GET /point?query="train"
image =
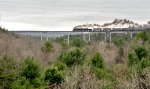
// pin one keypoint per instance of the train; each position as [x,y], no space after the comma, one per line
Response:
[103,29]
[82,29]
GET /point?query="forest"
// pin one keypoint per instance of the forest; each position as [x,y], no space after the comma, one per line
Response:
[123,63]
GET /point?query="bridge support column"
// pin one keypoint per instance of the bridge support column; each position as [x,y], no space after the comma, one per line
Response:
[47,38]
[41,37]
[68,39]
[105,36]
[25,35]
[110,37]
[20,34]
[89,37]
[83,36]
[131,35]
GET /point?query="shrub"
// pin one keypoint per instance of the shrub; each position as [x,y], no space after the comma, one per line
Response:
[138,60]
[97,61]
[47,47]
[22,83]
[141,52]
[72,58]
[8,71]
[29,75]
[36,83]
[137,56]
[61,66]
[132,59]
[77,42]
[54,76]
[30,69]
[144,63]
[144,36]
[64,44]
[118,41]
[3,29]
[139,63]
[103,74]
[98,67]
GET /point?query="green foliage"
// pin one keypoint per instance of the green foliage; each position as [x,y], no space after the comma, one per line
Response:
[120,39]
[103,74]
[54,76]
[137,56]
[139,69]
[98,61]
[3,29]
[61,66]
[22,83]
[141,52]
[144,63]
[77,42]
[30,69]
[97,37]
[8,71]
[58,39]
[74,57]
[62,42]
[138,59]
[145,36]
[132,59]
[36,83]
[98,67]
[29,77]
[47,47]
[118,42]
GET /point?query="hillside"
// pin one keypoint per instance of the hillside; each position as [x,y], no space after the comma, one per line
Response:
[32,64]
[19,47]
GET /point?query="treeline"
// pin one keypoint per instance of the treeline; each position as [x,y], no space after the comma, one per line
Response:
[3,29]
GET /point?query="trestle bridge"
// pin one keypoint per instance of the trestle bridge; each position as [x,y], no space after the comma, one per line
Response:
[49,34]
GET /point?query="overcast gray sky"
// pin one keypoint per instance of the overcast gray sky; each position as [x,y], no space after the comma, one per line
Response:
[65,14]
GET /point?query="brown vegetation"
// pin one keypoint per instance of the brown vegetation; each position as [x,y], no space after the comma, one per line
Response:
[113,75]
[19,47]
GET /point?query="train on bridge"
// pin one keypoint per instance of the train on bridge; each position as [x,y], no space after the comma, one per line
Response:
[105,29]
